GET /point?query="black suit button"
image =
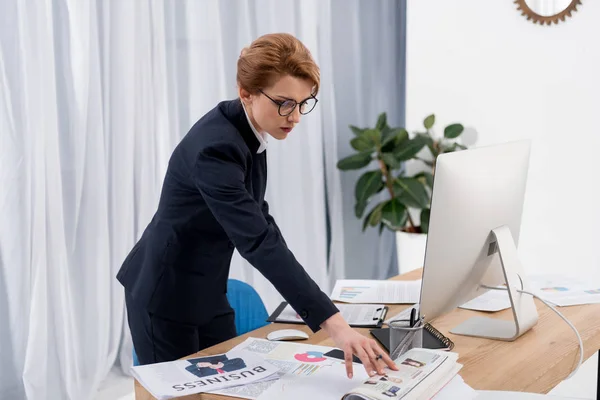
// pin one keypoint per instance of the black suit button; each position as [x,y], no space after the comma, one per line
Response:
[304,314]
[230,245]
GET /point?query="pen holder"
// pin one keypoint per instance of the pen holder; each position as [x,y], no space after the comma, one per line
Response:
[403,337]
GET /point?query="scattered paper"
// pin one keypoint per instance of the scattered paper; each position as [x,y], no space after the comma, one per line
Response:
[565,291]
[328,383]
[376,292]
[492,300]
[456,389]
[295,362]
[501,395]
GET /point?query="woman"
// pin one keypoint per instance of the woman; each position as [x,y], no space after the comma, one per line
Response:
[212,200]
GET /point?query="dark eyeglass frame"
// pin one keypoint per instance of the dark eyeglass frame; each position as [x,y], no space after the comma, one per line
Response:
[280,103]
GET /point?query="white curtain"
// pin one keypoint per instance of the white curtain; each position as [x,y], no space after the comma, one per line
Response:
[94,95]
[367,75]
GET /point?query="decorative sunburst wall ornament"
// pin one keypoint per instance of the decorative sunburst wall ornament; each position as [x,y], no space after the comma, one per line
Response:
[547,11]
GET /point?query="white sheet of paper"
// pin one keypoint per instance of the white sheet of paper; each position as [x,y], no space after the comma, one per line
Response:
[456,389]
[492,300]
[327,383]
[501,395]
[564,290]
[376,292]
[296,361]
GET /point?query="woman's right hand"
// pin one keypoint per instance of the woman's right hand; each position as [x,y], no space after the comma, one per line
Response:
[373,358]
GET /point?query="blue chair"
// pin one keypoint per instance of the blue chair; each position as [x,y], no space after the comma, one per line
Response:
[250,311]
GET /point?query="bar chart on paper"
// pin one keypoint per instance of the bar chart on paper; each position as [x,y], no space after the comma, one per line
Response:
[306,369]
[376,292]
[350,292]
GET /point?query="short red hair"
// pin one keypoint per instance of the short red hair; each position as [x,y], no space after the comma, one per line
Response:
[272,56]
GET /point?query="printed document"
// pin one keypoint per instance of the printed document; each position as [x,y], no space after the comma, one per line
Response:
[294,361]
[422,373]
[376,292]
[492,300]
[565,291]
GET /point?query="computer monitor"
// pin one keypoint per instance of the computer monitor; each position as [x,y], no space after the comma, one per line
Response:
[474,227]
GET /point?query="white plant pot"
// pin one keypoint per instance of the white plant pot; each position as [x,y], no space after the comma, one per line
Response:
[411,250]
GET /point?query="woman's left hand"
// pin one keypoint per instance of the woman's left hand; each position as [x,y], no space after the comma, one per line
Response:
[373,358]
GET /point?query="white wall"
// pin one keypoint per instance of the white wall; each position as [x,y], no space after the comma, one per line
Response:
[483,64]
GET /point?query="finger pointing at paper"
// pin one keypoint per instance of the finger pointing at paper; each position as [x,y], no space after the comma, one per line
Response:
[351,342]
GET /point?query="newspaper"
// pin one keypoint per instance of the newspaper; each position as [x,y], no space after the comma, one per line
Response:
[294,361]
[203,374]
[422,373]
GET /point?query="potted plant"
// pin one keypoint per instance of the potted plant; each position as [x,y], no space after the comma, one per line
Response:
[404,206]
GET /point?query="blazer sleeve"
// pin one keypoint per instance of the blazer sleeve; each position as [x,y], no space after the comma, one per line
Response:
[271,220]
[219,175]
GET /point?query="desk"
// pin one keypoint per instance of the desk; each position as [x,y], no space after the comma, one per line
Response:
[536,362]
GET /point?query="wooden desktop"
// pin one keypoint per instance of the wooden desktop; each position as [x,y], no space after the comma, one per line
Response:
[535,362]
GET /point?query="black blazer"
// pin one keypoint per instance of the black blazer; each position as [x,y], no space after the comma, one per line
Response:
[212,200]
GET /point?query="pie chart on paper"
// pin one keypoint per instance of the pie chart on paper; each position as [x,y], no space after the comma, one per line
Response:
[310,356]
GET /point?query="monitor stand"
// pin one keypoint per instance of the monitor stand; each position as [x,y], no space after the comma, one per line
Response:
[523,307]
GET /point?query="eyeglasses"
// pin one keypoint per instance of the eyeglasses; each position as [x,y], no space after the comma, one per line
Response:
[286,107]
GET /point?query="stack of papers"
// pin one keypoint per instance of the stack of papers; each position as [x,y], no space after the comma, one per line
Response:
[422,373]
[376,292]
[296,362]
[260,369]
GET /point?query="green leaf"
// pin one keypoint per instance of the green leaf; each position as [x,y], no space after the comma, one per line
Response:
[425,220]
[357,131]
[453,131]
[426,178]
[359,209]
[394,137]
[355,161]
[410,148]
[367,185]
[381,122]
[429,121]
[374,135]
[411,192]
[393,214]
[374,216]
[390,160]
[362,144]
